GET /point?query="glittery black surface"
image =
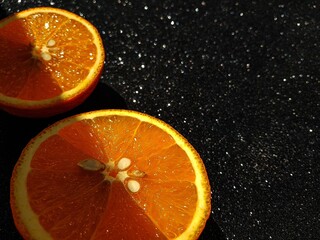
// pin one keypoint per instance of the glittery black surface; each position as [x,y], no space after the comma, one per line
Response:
[239,80]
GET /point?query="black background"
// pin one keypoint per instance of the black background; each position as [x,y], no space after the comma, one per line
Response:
[239,79]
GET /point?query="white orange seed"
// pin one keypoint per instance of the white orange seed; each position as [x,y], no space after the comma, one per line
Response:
[133,186]
[124,163]
[46,56]
[51,43]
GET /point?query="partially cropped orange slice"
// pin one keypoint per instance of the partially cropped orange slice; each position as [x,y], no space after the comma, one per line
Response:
[50,61]
[110,174]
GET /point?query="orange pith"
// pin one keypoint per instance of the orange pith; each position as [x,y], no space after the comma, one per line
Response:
[143,181]
[50,61]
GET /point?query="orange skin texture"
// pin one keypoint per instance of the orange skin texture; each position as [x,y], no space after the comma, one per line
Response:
[61,107]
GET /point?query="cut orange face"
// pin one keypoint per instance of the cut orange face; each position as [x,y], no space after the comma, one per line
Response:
[50,61]
[110,174]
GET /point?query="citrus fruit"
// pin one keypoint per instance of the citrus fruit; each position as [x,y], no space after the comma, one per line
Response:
[50,61]
[110,174]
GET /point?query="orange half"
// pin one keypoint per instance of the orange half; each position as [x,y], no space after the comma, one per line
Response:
[110,174]
[50,61]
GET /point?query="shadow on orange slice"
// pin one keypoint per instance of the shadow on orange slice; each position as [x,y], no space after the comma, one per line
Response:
[110,174]
[50,61]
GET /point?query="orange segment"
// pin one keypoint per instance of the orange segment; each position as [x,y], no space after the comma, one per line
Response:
[65,180]
[169,164]
[170,205]
[52,154]
[110,174]
[74,214]
[99,134]
[123,219]
[148,140]
[56,58]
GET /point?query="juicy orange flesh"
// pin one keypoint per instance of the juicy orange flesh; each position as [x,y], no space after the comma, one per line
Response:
[82,203]
[25,74]
[126,220]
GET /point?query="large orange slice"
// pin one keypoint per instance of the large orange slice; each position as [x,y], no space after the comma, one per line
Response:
[110,174]
[50,61]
